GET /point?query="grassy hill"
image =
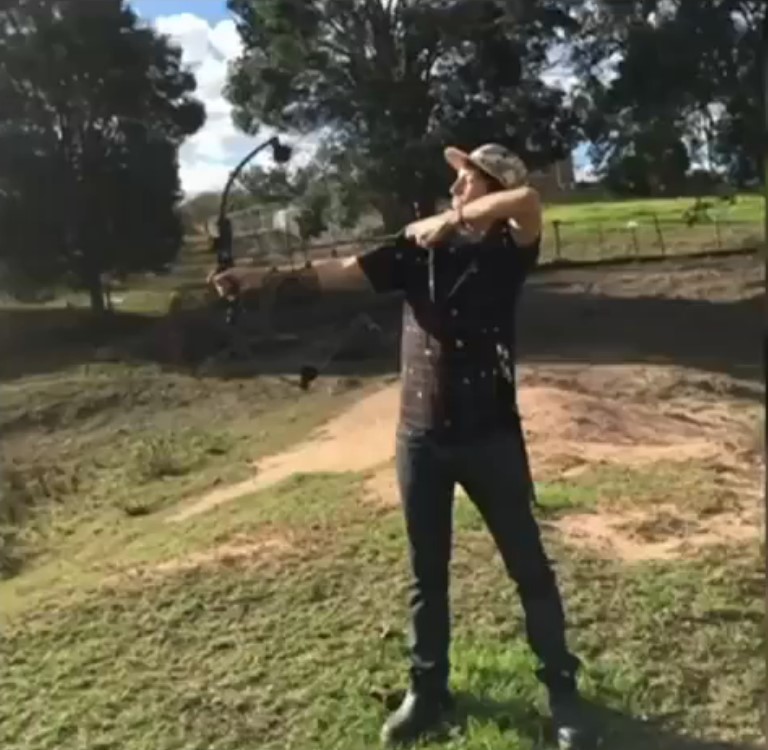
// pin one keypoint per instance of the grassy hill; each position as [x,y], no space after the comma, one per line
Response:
[278,620]
[748,208]
[587,231]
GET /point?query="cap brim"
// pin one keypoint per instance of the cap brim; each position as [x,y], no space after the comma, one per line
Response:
[456,157]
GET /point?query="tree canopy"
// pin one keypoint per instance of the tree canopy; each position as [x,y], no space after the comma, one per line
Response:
[93,108]
[388,84]
[662,86]
[687,87]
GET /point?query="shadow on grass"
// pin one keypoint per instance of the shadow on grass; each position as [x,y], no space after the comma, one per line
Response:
[610,729]
[613,729]
[39,340]
[566,317]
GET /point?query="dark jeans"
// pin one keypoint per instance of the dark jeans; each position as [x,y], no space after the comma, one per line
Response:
[494,473]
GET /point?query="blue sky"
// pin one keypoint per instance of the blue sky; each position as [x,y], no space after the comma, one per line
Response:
[210,10]
[208,39]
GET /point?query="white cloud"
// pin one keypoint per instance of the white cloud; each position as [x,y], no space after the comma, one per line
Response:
[207,48]
[207,157]
[559,71]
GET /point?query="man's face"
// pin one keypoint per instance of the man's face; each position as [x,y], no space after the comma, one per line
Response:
[469,186]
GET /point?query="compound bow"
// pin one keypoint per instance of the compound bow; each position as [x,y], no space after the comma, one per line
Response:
[223,242]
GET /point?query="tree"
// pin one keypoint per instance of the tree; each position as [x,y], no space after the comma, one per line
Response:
[651,161]
[93,108]
[687,72]
[386,84]
[322,193]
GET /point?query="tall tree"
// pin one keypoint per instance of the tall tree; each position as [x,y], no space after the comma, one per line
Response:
[687,72]
[93,108]
[323,193]
[389,82]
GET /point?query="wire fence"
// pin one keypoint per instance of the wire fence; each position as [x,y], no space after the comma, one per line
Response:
[266,242]
[642,238]
[595,241]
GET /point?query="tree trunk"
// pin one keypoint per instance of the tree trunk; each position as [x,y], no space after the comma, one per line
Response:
[394,213]
[92,281]
[97,297]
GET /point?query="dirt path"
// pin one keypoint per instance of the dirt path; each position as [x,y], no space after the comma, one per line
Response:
[361,438]
[574,418]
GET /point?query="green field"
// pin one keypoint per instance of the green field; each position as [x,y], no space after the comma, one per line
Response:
[278,620]
[747,208]
[615,229]
[595,230]
[588,232]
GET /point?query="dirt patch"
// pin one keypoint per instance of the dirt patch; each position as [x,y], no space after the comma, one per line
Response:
[661,535]
[712,279]
[359,439]
[574,419]
[568,430]
[577,418]
[239,551]
[381,487]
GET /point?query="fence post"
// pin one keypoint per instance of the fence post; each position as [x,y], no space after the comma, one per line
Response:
[632,226]
[601,238]
[556,227]
[659,234]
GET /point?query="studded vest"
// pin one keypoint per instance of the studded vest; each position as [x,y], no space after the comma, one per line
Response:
[458,342]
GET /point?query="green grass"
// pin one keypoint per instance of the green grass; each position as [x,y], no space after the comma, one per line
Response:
[620,229]
[588,231]
[88,448]
[279,620]
[747,208]
[305,647]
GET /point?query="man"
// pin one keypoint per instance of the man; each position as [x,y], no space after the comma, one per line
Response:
[461,273]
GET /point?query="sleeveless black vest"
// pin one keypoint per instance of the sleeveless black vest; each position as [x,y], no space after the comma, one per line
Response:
[458,342]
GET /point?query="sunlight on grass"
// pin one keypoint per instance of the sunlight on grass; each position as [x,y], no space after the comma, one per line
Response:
[279,620]
[292,651]
[748,208]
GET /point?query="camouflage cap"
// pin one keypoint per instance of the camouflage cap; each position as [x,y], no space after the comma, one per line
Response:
[493,159]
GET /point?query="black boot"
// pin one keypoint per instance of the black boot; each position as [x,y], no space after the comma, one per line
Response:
[569,718]
[545,624]
[420,714]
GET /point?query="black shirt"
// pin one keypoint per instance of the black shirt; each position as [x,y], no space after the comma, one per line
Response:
[459,317]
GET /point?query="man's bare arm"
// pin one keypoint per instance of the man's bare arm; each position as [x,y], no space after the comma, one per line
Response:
[336,274]
[339,274]
[521,207]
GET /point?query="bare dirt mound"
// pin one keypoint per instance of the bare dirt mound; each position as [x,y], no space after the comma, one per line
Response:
[361,438]
[577,418]
[574,419]
[240,551]
[641,379]
[632,415]
[636,536]
[567,430]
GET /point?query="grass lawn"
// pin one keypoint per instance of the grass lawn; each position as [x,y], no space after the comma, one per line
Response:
[599,229]
[588,231]
[749,207]
[278,621]
[611,229]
